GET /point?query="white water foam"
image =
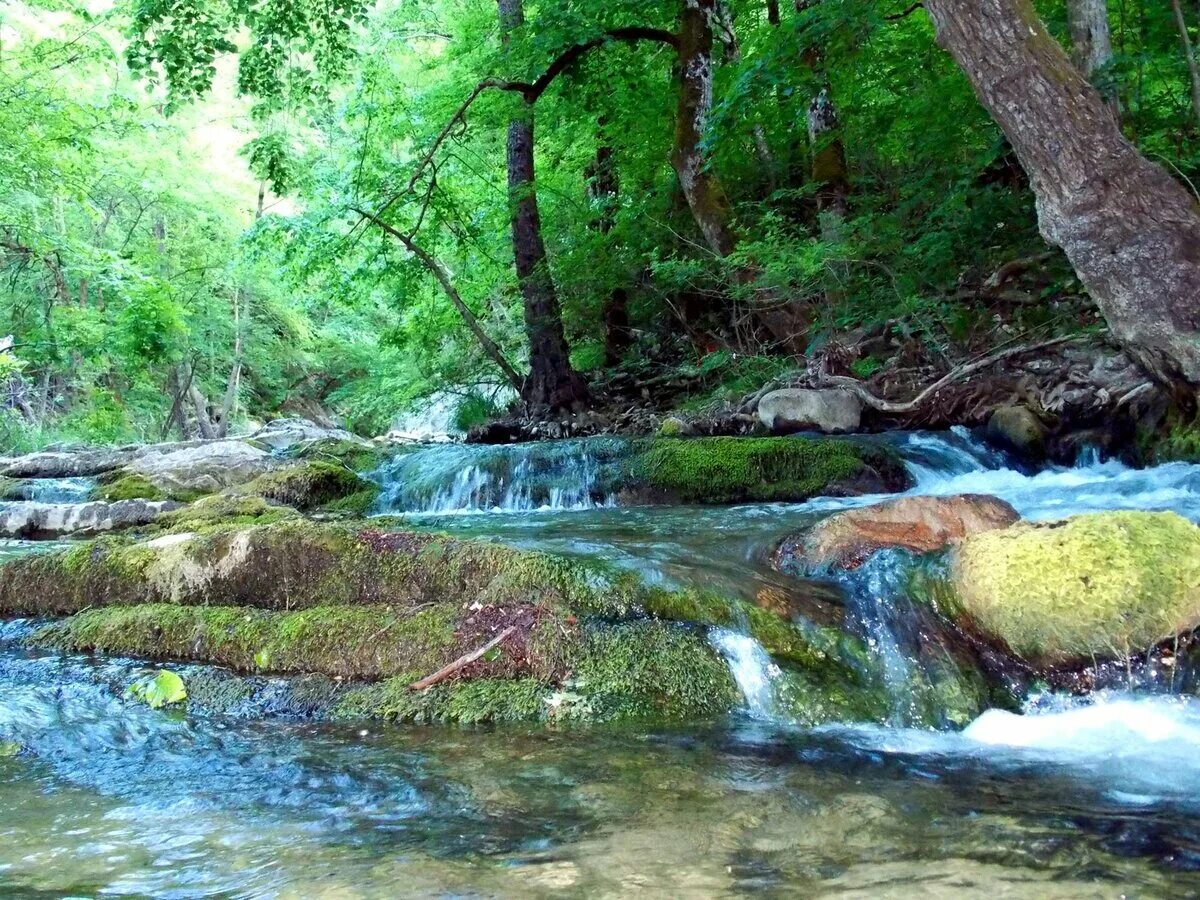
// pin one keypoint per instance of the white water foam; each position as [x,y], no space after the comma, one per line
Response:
[751,667]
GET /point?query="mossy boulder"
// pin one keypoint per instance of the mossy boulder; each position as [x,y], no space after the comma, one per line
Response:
[382,609]
[222,512]
[737,470]
[1096,586]
[307,485]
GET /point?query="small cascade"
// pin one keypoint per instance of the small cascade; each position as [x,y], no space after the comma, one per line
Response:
[751,668]
[61,490]
[560,475]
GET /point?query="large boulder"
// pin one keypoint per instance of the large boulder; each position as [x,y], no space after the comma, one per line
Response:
[737,470]
[49,520]
[918,524]
[1096,586]
[1017,428]
[284,434]
[832,411]
[204,467]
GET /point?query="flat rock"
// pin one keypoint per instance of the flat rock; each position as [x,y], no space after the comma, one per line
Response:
[282,434]
[793,409]
[48,520]
[210,466]
[918,524]
[66,463]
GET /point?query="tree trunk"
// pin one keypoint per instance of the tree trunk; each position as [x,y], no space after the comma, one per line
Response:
[829,170]
[704,193]
[1130,230]
[723,20]
[602,189]
[552,382]
[1091,41]
[1189,55]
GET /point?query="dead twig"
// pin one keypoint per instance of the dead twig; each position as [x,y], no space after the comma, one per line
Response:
[461,663]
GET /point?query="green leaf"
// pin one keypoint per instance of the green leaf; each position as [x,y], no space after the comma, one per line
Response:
[156,691]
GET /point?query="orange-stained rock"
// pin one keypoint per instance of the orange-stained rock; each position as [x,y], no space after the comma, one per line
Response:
[919,524]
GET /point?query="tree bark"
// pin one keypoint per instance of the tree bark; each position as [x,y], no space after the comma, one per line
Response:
[552,382]
[1189,56]
[602,188]
[705,196]
[829,170]
[1091,41]
[1130,230]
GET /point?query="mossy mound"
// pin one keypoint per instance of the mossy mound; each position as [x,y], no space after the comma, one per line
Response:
[221,512]
[307,486]
[351,455]
[1096,586]
[348,602]
[131,487]
[737,470]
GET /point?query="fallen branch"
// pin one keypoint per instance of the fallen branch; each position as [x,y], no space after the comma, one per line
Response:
[958,372]
[461,663]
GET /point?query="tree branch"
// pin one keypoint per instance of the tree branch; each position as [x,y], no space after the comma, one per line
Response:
[461,663]
[489,347]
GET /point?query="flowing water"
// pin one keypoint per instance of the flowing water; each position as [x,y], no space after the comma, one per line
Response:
[1095,796]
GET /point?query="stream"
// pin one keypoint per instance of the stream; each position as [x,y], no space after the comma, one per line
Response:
[1093,796]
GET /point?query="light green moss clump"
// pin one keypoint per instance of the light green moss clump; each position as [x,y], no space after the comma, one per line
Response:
[734,470]
[220,511]
[130,487]
[306,486]
[1101,585]
[349,455]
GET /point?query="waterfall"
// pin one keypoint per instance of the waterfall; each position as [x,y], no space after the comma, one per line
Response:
[751,668]
[559,475]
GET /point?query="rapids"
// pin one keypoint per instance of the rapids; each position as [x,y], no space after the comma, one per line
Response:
[1094,796]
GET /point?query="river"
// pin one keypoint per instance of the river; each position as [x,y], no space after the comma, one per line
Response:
[1093,796]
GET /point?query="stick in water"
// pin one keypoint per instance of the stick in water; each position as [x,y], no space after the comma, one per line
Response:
[460,663]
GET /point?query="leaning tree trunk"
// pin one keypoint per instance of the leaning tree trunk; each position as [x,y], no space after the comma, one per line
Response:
[1130,230]
[552,381]
[705,195]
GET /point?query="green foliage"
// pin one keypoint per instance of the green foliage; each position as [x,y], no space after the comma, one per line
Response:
[156,691]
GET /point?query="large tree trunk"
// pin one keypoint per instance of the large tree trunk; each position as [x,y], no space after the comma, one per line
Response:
[552,381]
[705,195]
[829,170]
[1130,230]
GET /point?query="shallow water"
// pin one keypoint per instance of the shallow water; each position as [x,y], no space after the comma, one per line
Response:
[1094,797]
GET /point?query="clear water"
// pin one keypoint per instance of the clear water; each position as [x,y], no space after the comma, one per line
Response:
[1092,797]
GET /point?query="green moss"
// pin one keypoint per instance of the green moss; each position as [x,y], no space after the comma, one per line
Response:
[647,670]
[225,511]
[475,702]
[1099,585]
[13,489]
[733,470]
[361,642]
[349,454]
[130,487]
[306,486]
[1177,441]
[354,505]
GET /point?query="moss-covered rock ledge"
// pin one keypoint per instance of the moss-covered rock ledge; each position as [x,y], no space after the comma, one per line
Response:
[738,470]
[380,610]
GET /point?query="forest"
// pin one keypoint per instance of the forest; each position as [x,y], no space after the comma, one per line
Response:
[216,212]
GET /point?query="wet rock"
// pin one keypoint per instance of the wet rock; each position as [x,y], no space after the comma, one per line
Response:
[48,520]
[284,434]
[1095,586]
[1016,428]
[309,485]
[207,467]
[65,463]
[793,409]
[918,524]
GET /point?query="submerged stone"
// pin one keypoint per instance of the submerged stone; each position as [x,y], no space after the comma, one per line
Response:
[1095,586]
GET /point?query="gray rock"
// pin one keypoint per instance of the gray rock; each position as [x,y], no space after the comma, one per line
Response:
[46,520]
[65,463]
[285,433]
[210,466]
[1017,428]
[794,409]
